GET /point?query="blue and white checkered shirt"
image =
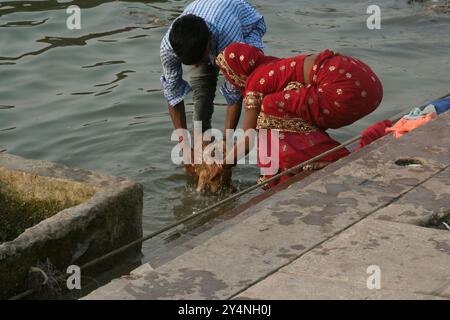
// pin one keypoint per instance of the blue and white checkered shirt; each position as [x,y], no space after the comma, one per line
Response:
[229,21]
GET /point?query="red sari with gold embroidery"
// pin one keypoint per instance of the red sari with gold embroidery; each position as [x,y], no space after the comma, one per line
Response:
[341,90]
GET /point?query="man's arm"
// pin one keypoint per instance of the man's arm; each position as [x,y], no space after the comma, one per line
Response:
[254,37]
[178,116]
[233,115]
[175,89]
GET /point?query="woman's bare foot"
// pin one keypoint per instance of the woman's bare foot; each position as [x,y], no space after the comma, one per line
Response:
[315,166]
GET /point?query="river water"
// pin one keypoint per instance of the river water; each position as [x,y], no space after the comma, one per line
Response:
[91,98]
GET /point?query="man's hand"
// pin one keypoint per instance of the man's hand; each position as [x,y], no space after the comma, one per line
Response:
[190,167]
[233,115]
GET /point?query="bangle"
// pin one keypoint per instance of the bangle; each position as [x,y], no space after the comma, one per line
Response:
[253,100]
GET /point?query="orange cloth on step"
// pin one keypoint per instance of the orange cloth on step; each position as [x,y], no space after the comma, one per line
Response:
[405,125]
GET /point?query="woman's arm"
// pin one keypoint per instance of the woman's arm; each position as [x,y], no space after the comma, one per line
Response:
[245,144]
[252,103]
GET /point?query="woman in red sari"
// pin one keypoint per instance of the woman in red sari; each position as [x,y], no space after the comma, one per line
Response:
[301,96]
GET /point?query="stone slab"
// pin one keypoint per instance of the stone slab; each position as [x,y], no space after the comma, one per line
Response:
[430,200]
[287,286]
[412,260]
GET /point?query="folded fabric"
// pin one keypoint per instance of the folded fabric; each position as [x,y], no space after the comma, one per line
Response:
[405,125]
[417,113]
[372,133]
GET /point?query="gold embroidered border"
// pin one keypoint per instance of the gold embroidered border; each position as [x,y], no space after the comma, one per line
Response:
[222,63]
[295,125]
[294,86]
[253,100]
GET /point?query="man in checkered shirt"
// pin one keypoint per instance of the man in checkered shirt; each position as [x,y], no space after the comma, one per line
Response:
[195,38]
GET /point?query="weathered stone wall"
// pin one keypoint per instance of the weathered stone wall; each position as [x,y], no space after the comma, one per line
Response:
[109,215]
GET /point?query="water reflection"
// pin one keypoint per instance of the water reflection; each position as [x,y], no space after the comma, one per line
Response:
[3,107]
[105,63]
[95,123]
[7,7]
[23,23]
[119,76]
[8,129]
[57,42]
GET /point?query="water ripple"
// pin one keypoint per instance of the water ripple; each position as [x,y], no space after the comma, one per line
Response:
[7,129]
[23,23]
[82,93]
[8,7]
[105,63]
[57,42]
[95,123]
[119,76]
[5,107]
[102,93]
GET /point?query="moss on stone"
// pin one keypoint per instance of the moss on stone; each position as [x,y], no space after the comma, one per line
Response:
[26,200]
[16,215]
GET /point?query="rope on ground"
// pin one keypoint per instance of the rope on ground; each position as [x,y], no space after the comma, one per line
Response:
[33,290]
[217,204]
[446,225]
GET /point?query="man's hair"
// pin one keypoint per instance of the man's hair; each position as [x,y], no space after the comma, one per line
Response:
[189,38]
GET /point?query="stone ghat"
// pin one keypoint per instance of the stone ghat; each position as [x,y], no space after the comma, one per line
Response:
[373,215]
[63,216]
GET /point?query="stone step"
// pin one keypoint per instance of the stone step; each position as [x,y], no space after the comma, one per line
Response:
[235,255]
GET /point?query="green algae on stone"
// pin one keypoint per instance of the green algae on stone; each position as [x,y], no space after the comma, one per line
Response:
[26,200]
[16,214]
